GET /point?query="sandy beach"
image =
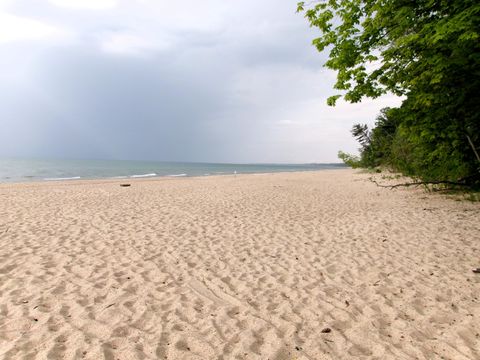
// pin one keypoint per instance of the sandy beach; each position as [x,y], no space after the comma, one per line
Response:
[313,265]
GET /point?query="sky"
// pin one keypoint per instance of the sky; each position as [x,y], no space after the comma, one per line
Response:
[202,81]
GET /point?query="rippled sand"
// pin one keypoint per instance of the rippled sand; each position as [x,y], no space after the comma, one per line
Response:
[246,267]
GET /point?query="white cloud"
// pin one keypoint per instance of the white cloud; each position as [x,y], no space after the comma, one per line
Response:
[4,4]
[130,44]
[85,4]
[313,131]
[15,28]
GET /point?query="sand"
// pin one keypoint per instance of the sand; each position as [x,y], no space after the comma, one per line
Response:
[245,267]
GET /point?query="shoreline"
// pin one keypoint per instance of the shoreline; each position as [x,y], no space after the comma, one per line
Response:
[157,177]
[37,170]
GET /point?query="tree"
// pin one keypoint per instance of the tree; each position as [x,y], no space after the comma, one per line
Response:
[426,51]
[350,160]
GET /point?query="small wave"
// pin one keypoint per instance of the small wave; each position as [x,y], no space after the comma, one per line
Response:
[63,178]
[177,175]
[143,175]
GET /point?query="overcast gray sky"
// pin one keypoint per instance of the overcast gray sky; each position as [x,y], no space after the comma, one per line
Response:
[212,80]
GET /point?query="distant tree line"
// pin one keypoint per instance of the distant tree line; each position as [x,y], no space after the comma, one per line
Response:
[426,51]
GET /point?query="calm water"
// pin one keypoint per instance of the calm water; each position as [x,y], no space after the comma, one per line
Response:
[18,170]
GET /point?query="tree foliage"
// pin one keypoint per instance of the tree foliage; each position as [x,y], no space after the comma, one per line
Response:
[426,51]
[350,160]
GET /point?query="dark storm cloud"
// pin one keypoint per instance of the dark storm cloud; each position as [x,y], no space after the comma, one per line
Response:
[124,107]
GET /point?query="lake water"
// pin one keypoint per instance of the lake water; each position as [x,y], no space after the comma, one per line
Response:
[20,170]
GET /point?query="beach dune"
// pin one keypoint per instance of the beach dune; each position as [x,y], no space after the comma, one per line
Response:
[313,265]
